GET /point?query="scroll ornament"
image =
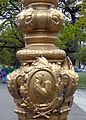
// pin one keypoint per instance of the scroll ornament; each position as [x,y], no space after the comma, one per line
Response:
[43,87]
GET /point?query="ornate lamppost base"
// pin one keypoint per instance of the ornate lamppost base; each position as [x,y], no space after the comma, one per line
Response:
[43,86]
[43,90]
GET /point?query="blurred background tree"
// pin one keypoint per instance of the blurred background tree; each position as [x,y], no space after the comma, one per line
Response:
[73,36]
[81,55]
[11,39]
[70,38]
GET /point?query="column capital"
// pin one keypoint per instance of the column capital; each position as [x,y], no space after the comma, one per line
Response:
[26,2]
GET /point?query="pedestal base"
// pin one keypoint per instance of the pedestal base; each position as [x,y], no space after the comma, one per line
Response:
[60,117]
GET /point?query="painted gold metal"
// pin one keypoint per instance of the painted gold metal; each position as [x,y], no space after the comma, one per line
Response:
[43,86]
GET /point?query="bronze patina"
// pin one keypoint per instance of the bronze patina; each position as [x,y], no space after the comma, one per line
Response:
[43,86]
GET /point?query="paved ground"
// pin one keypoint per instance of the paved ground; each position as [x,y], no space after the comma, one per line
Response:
[7,105]
[80,98]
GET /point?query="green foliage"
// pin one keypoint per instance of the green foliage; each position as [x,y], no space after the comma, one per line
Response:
[82,54]
[81,22]
[82,79]
[6,56]
[8,29]
[69,37]
[10,36]
[72,34]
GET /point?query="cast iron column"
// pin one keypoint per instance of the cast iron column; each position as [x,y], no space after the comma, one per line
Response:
[43,86]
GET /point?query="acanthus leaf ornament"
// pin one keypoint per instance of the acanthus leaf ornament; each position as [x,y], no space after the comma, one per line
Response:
[43,86]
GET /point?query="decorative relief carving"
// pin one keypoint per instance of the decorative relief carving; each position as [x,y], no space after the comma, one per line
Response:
[24,20]
[43,86]
[40,20]
[57,20]
[42,89]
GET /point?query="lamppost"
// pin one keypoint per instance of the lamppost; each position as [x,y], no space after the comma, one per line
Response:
[43,86]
